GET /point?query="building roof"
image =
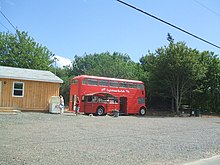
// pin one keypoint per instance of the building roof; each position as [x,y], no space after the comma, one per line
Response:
[28,74]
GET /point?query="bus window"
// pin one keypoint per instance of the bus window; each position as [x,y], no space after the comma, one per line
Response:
[93,82]
[89,98]
[132,85]
[84,82]
[95,99]
[141,100]
[75,82]
[123,85]
[140,86]
[83,98]
[113,100]
[113,84]
[103,83]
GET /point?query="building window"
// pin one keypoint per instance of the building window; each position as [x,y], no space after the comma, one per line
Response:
[18,89]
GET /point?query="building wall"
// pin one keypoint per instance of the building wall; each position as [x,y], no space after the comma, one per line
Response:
[36,94]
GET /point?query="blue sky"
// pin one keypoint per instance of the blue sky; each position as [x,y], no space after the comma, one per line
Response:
[75,27]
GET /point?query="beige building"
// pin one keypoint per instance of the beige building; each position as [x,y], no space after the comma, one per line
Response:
[27,89]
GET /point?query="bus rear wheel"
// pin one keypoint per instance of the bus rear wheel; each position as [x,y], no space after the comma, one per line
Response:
[100,111]
[142,111]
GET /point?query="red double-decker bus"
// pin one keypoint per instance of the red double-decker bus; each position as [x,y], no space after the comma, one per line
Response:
[102,95]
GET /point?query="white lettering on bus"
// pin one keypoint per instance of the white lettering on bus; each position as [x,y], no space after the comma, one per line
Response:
[115,90]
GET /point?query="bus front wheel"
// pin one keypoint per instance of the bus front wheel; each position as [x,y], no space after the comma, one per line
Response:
[100,111]
[142,111]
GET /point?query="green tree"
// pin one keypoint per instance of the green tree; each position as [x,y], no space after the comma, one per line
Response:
[115,65]
[175,70]
[20,50]
[148,62]
[207,94]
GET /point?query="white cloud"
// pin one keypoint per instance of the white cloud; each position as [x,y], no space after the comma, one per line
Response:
[62,61]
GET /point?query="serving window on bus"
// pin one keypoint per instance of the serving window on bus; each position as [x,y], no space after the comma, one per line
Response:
[130,94]
[99,99]
[99,103]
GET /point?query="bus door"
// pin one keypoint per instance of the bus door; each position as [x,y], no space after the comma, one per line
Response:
[123,105]
[74,102]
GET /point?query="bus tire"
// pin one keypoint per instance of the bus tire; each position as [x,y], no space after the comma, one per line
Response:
[142,111]
[100,111]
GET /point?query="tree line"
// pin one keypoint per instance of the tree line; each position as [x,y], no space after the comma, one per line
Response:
[174,74]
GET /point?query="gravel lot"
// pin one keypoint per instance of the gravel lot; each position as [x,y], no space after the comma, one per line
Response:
[41,138]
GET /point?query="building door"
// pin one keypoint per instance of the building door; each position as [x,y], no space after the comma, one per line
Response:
[0,93]
[123,104]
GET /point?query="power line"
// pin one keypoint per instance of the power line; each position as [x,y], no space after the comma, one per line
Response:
[4,26]
[207,8]
[174,26]
[8,20]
